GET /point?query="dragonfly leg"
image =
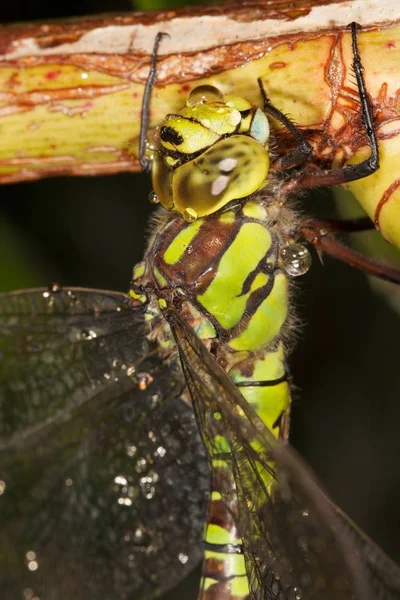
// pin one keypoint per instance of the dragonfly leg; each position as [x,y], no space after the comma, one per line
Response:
[322,233]
[146,163]
[340,225]
[303,150]
[314,178]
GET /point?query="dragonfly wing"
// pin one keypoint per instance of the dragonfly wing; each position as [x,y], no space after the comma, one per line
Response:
[103,481]
[295,542]
[384,574]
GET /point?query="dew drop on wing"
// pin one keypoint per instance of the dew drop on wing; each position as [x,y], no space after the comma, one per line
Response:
[72,297]
[143,381]
[54,288]
[83,517]
[131,450]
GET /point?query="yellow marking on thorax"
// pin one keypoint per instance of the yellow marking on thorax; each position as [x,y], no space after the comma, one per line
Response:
[142,298]
[267,321]
[159,277]
[223,298]
[227,217]
[254,210]
[178,246]
[138,270]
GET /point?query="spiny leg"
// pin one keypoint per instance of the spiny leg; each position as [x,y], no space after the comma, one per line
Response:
[322,233]
[145,163]
[317,177]
[335,176]
[303,149]
[343,225]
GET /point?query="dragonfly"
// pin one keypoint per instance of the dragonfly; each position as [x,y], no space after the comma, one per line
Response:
[140,432]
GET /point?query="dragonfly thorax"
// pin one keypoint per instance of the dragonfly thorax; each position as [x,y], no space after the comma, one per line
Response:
[224,275]
[211,152]
[227,266]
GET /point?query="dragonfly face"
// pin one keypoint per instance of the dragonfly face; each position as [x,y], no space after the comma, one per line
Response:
[212,152]
[104,476]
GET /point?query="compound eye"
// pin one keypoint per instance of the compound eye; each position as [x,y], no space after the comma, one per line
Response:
[204,94]
[231,169]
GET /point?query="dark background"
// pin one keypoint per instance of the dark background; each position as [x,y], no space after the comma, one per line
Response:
[91,231]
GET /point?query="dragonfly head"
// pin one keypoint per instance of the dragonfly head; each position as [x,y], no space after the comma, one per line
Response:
[212,152]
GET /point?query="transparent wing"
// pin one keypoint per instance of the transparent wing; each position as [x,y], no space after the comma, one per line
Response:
[103,477]
[383,573]
[297,543]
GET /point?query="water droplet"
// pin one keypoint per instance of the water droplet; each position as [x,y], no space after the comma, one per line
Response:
[155,399]
[138,535]
[31,560]
[143,381]
[147,487]
[190,215]
[131,450]
[204,93]
[87,334]
[141,465]
[124,501]
[49,295]
[296,259]
[120,480]
[72,297]
[183,558]
[54,288]
[154,199]
[161,451]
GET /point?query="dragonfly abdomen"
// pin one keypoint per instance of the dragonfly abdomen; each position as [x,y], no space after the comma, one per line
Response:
[224,570]
[223,273]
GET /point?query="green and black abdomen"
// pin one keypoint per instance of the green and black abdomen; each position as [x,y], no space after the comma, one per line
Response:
[224,275]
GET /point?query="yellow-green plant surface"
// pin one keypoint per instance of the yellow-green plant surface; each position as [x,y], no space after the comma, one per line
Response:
[80,113]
